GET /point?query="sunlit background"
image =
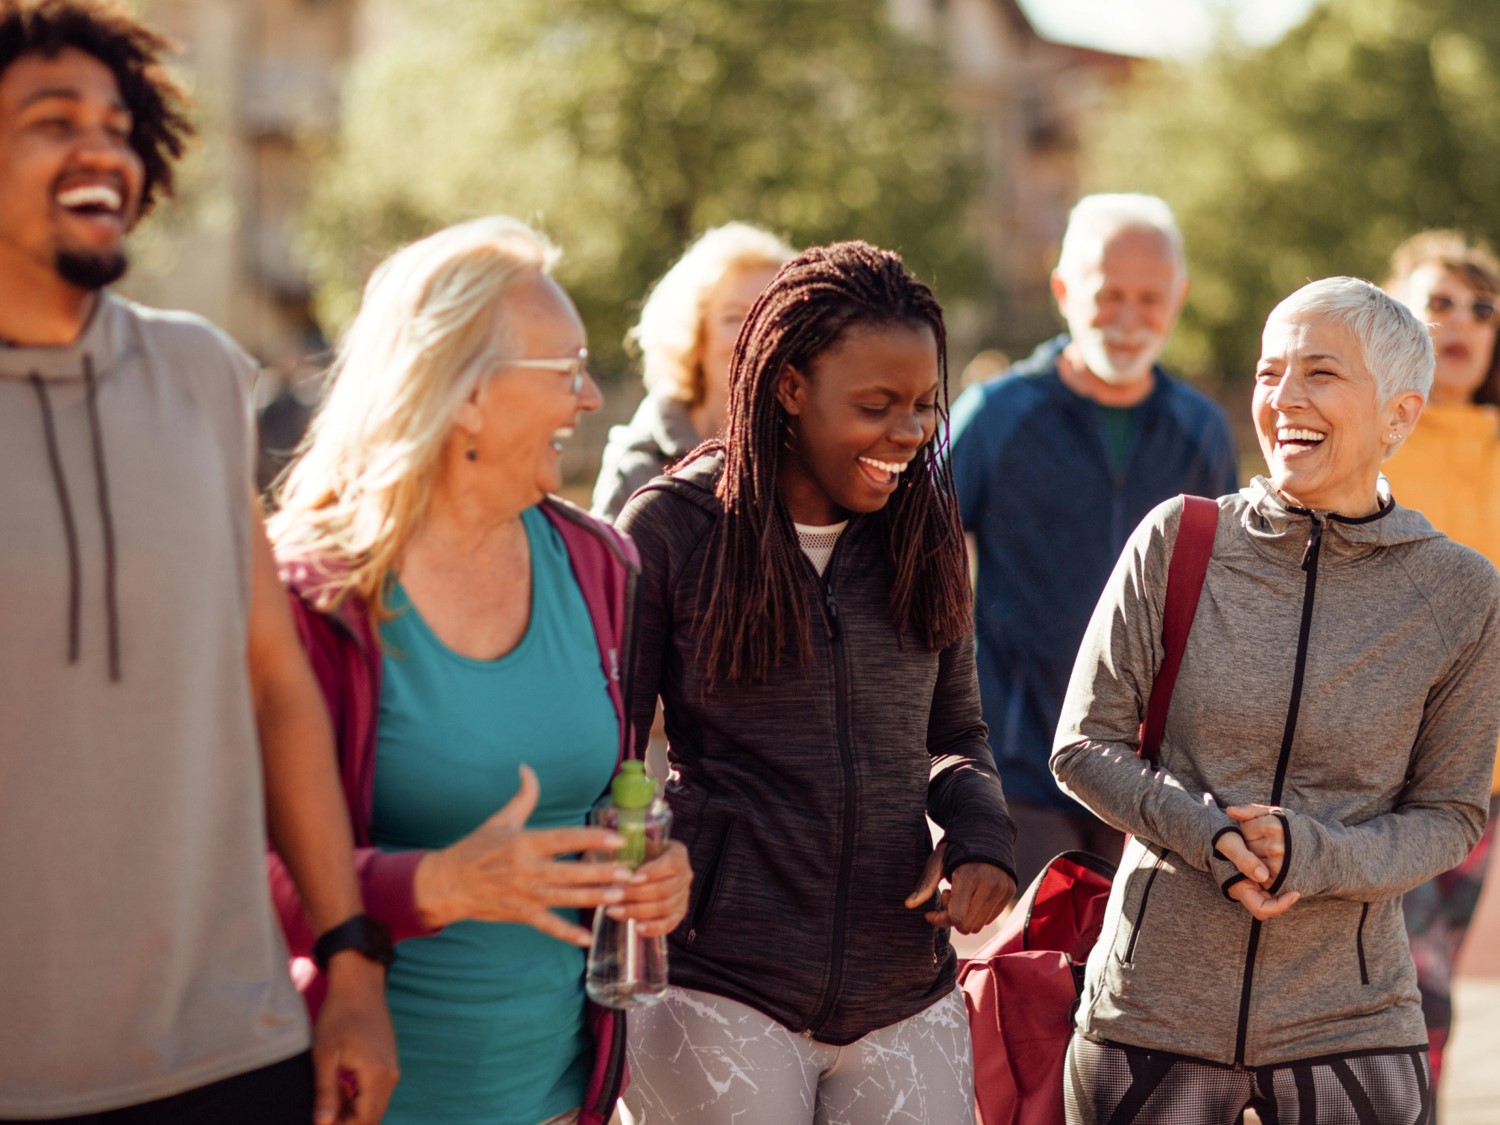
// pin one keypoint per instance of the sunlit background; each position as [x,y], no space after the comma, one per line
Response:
[1295,139]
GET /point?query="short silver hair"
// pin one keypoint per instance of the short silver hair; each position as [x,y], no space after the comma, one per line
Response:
[1096,218]
[1396,345]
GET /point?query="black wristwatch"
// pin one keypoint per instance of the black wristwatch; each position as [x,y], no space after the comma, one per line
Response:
[362,934]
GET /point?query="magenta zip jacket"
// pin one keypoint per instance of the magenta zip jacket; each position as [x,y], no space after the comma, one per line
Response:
[346,659]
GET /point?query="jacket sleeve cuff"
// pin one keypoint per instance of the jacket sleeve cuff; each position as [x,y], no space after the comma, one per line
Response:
[1300,864]
[1286,858]
[387,882]
[1224,873]
[995,850]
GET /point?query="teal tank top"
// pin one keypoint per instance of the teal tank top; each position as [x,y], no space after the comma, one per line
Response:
[489,1016]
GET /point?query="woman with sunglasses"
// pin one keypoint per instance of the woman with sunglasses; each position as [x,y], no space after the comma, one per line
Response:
[467,630]
[1449,470]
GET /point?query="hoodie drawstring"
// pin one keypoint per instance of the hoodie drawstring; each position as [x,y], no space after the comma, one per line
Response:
[106,519]
[70,527]
[60,481]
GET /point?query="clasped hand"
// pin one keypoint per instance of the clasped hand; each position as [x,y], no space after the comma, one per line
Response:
[1258,850]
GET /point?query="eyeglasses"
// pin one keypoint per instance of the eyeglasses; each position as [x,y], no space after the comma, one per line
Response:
[1482,311]
[576,368]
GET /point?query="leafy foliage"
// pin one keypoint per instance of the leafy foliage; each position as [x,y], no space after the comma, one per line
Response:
[627,127]
[1316,156]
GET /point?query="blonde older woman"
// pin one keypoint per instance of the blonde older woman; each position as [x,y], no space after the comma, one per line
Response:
[468,629]
[686,336]
[1328,748]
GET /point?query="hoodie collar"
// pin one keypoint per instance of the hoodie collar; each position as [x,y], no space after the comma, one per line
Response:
[1281,530]
[105,338]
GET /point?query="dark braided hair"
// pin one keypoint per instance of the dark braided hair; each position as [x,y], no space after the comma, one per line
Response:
[160,128]
[754,600]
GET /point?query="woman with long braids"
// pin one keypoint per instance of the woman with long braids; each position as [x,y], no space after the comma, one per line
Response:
[805,616]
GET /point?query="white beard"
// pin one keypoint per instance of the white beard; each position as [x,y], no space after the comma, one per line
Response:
[1093,347]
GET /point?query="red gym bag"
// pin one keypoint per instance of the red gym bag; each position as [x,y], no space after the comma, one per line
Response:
[1022,987]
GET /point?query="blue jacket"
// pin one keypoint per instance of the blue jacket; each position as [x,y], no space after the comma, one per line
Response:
[1051,513]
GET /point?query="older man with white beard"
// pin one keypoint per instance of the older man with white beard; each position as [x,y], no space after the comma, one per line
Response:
[1056,461]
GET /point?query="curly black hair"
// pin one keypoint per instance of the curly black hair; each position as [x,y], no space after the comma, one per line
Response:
[160,127]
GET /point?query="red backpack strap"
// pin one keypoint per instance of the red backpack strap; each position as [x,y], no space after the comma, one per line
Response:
[1195,542]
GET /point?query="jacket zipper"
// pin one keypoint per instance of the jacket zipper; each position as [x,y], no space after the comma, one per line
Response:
[1359,944]
[846,759]
[1289,732]
[1140,913]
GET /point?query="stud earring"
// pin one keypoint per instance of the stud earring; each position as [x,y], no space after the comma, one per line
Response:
[472,453]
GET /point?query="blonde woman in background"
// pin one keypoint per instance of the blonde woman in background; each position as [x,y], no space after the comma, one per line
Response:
[1449,470]
[686,335]
[466,629]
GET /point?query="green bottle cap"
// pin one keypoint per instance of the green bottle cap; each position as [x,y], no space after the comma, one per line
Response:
[631,788]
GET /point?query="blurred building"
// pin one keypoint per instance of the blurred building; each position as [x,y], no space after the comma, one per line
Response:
[264,75]
[1029,100]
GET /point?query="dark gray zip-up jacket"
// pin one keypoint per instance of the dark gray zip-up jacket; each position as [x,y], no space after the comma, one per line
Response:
[804,800]
[1346,670]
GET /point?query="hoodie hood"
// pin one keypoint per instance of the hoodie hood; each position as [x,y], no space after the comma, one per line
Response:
[697,481]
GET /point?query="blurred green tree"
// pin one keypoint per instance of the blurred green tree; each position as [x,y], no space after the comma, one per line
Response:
[1313,157]
[626,127]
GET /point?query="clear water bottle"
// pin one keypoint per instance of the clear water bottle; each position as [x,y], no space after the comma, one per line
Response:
[626,970]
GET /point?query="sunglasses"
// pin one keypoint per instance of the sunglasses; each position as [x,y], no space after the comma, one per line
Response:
[1481,310]
[576,368]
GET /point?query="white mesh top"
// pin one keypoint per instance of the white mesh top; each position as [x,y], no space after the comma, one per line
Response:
[817,543]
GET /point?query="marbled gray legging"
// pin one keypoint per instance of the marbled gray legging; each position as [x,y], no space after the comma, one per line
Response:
[709,1060]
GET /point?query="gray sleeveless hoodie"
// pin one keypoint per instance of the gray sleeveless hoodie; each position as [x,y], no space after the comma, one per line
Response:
[1345,670]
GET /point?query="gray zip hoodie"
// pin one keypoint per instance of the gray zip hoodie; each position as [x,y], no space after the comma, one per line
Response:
[1344,670]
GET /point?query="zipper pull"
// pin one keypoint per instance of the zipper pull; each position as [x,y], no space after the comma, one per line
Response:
[1314,542]
[833,611]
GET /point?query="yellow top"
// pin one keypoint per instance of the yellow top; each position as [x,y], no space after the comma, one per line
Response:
[1449,470]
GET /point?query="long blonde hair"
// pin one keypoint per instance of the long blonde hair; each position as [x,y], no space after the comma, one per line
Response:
[364,475]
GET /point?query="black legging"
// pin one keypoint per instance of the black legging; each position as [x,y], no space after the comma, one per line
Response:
[1109,1084]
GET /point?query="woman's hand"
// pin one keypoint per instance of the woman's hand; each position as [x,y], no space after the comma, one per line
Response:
[657,896]
[502,873]
[974,899]
[1261,903]
[1265,835]
[1259,871]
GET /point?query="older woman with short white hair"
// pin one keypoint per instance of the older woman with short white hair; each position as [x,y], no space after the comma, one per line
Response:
[1327,748]
[686,336]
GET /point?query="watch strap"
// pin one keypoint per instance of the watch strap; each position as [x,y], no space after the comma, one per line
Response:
[361,933]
